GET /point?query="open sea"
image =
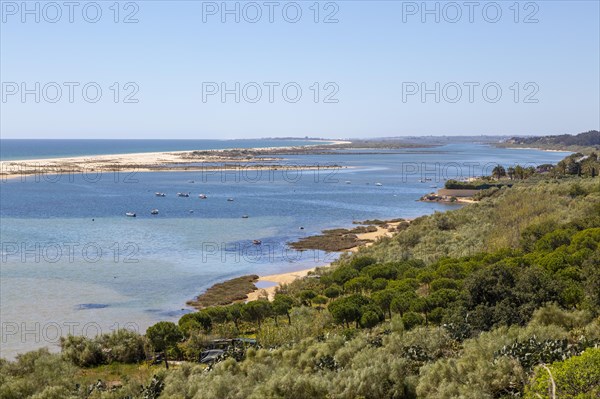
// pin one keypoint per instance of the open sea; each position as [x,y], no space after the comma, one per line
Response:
[72,262]
[14,149]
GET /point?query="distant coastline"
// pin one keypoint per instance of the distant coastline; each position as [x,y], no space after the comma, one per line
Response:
[35,149]
[172,161]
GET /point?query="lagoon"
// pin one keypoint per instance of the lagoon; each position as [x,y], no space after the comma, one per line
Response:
[72,262]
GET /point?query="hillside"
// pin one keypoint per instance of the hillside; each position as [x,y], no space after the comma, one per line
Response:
[582,142]
[468,303]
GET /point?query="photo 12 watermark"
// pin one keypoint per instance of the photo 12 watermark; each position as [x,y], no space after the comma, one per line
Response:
[470,92]
[43,172]
[288,173]
[69,92]
[68,252]
[52,331]
[253,12]
[261,252]
[454,12]
[270,92]
[70,12]
[437,172]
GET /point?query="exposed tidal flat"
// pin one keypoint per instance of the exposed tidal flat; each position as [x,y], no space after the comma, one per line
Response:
[72,261]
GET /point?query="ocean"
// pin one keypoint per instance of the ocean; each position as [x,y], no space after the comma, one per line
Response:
[72,262]
[15,149]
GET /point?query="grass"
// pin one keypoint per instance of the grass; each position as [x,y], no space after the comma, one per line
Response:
[378,222]
[117,373]
[334,240]
[236,289]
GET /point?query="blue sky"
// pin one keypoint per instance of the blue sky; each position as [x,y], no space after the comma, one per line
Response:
[370,66]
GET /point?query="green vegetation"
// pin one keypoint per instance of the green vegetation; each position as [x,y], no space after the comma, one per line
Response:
[236,289]
[472,185]
[587,141]
[487,301]
[122,346]
[164,337]
[575,378]
[334,240]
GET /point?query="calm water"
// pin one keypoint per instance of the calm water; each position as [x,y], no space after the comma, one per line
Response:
[72,261]
[13,149]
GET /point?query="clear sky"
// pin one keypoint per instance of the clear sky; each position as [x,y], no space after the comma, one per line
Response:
[371,62]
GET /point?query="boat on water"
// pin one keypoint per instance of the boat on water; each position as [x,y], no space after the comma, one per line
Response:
[244,216]
[202,196]
[433,186]
[256,242]
[230,199]
[154,212]
[183,194]
[160,194]
[130,214]
[348,182]
[378,184]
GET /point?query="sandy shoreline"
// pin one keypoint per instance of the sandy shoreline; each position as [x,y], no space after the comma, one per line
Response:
[287,278]
[153,162]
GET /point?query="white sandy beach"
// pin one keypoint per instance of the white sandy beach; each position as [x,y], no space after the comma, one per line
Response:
[287,278]
[143,162]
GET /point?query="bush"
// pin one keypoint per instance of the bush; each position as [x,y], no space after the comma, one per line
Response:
[82,351]
[360,262]
[332,292]
[196,321]
[36,372]
[123,346]
[412,319]
[575,378]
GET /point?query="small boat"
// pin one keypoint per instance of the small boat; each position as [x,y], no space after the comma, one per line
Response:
[256,242]
[183,194]
[348,182]
[154,212]
[191,181]
[244,216]
[160,194]
[130,214]
[301,228]
[191,211]
[378,184]
[433,186]
[230,199]
[202,196]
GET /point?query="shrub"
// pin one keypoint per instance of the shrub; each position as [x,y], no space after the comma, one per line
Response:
[82,351]
[412,319]
[332,292]
[123,346]
[195,321]
[575,378]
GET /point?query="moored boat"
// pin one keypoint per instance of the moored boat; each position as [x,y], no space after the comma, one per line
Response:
[130,214]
